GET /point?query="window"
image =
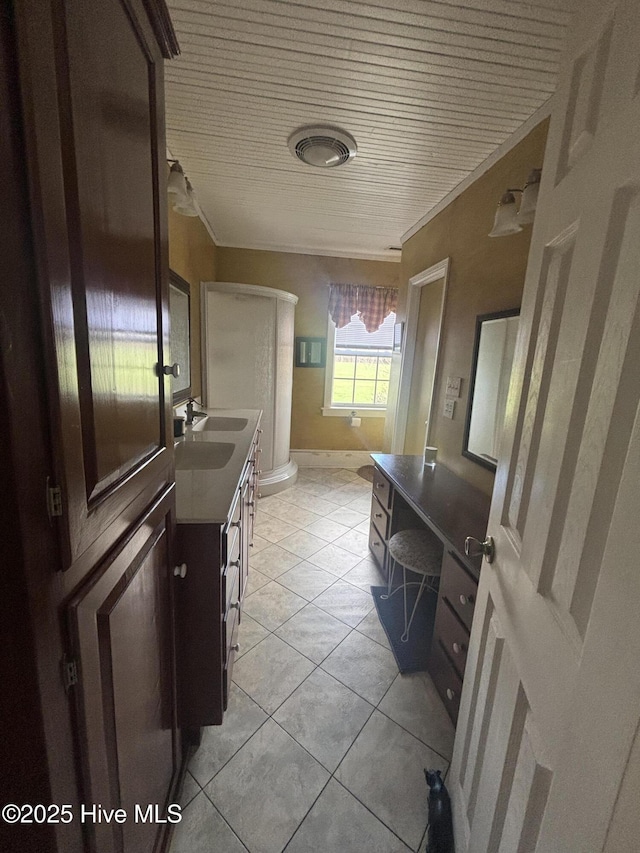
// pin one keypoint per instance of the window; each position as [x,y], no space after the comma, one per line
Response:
[358,367]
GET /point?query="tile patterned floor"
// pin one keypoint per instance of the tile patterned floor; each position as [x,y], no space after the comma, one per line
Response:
[324,742]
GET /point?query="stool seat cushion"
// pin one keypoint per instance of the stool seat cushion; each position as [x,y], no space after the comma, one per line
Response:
[417,550]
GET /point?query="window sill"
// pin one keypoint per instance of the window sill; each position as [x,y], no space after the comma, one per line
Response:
[344,412]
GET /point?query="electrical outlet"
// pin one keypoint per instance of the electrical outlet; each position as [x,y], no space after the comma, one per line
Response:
[453,386]
[449,408]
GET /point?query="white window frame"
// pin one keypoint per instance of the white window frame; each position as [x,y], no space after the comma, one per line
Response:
[342,411]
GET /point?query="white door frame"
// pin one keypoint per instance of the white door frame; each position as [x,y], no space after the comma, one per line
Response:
[416,283]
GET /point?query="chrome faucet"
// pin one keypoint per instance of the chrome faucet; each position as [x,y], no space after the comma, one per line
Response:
[191,413]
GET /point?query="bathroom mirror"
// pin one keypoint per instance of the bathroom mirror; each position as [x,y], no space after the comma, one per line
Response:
[180,338]
[489,385]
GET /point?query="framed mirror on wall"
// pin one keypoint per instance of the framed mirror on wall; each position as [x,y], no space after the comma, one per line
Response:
[180,338]
[489,385]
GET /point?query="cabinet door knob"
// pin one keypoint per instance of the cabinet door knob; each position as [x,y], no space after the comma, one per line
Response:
[379,485]
[457,648]
[180,571]
[171,370]
[234,563]
[466,600]
[377,515]
[235,524]
[235,605]
[235,647]
[450,694]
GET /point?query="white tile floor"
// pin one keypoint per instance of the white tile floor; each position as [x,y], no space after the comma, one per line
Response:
[324,742]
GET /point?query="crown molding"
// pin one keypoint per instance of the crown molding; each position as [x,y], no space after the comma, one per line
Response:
[509,143]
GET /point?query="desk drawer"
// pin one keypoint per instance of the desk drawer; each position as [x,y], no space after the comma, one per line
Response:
[446,679]
[379,518]
[458,588]
[382,489]
[377,547]
[452,636]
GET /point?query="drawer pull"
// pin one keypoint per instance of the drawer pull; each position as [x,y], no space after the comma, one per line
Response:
[180,571]
[464,599]
[235,524]
[234,605]
[235,647]
[457,648]
[377,515]
[376,544]
[235,563]
[450,694]
[380,485]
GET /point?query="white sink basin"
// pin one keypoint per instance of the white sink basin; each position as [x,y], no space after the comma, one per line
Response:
[203,455]
[222,424]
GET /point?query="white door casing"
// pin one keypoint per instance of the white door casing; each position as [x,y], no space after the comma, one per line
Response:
[414,292]
[547,751]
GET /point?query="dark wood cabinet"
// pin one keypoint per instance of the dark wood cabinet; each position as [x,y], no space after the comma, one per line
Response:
[405,494]
[92,149]
[209,597]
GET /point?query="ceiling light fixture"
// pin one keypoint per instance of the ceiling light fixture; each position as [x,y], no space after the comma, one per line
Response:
[322,146]
[508,219]
[185,202]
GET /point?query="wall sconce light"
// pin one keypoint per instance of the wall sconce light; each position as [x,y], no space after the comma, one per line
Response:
[184,196]
[509,220]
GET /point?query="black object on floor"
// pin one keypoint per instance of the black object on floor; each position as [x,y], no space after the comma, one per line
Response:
[366,472]
[413,655]
[440,832]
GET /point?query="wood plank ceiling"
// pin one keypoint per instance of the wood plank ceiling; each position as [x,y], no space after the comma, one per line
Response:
[429,89]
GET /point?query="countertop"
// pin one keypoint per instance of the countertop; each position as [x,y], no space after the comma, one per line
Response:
[452,508]
[205,496]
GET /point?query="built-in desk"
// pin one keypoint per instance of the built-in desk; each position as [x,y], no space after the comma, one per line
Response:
[405,494]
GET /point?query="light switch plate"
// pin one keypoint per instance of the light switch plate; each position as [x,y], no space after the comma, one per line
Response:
[449,408]
[453,386]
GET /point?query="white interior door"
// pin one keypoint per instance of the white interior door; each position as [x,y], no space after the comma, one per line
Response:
[547,752]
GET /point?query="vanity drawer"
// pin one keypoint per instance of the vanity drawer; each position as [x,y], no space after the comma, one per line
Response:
[230,589]
[379,518]
[447,681]
[458,588]
[452,636]
[382,489]
[377,547]
[231,633]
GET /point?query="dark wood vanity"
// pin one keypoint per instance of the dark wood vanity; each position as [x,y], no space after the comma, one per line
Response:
[407,494]
[215,513]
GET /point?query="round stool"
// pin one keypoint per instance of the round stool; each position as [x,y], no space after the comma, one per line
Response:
[420,552]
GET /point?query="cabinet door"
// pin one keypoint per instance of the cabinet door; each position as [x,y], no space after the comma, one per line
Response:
[121,625]
[92,83]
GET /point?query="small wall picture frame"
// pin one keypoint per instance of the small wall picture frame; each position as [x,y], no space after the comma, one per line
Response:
[311,352]
[398,336]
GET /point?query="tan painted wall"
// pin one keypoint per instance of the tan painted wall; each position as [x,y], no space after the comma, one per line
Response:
[308,277]
[486,274]
[192,254]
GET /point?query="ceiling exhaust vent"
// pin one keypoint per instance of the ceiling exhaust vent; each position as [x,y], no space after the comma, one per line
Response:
[324,147]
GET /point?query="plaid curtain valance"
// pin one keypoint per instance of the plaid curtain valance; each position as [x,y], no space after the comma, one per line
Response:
[372,304]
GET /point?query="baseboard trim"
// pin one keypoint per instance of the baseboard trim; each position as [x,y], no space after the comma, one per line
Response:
[331,458]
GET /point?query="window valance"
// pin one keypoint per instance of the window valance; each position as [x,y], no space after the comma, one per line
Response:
[372,304]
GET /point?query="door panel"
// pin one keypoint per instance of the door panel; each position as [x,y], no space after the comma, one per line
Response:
[122,626]
[95,163]
[544,758]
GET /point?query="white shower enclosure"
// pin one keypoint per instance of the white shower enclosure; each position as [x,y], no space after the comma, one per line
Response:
[247,363]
